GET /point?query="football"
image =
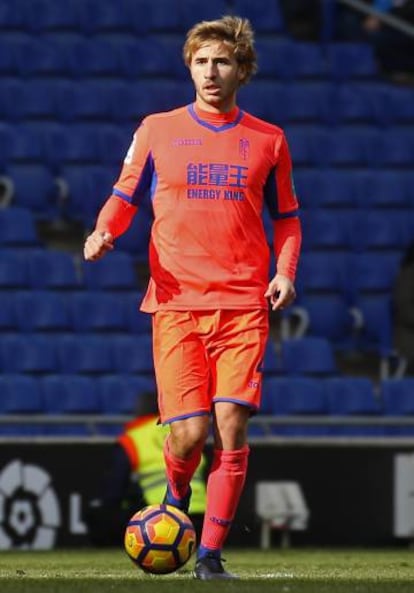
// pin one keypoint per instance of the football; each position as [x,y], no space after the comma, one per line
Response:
[160,539]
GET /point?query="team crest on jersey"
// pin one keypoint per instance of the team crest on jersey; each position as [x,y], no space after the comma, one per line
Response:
[244,148]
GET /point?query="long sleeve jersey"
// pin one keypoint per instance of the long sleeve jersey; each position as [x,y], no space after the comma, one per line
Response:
[209,177]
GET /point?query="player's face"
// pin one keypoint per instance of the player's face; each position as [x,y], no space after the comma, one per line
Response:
[216,76]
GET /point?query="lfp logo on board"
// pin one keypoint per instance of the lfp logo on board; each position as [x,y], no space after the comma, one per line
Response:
[29,508]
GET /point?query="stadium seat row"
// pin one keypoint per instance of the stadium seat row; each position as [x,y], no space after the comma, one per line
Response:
[94,353]
[65,100]
[298,399]
[55,311]
[132,16]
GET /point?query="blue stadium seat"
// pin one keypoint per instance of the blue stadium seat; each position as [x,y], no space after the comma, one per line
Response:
[41,310]
[88,187]
[376,331]
[304,150]
[163,56]
[325,315]
[43,16]
[84,354]
[327,229]
[120,393]
[308,356]
[137,321]
[322,271]
[17,228]
[398,400]
[7,61]
[21,145]
[28,353]
[271,57]
[271,360]
[382,229]
[133,353]
[88,100]
[70,394]
[20,394]
[94,58]
[111,135]
[155,17]
[93,311]
[10,99]
[45,60]
[331,188]
[353,396]
[306,60]
[317,108]
[296,396]
[350,146]
[351,60]
[8,318]
[78,144]
[34,187]
[387,188]
[204,11]
[114,272]
[13,270]
[98,17]
[356,103]
[373,271]
[266,16]
[267,100]
[396,149]
[49,137]
[12,16]
[50,269]
[399,102]
[397,396]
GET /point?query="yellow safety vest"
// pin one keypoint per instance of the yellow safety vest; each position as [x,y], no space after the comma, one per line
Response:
[143,441]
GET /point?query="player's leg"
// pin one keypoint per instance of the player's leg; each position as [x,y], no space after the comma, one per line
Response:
[224,486]
[182,454]
[182,375]
[238,389]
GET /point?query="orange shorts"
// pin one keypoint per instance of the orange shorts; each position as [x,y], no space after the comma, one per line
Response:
[202,357]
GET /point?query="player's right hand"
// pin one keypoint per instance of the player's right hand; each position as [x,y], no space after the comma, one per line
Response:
[97,244]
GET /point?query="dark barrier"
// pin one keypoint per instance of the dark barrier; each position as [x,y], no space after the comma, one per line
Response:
[44,488]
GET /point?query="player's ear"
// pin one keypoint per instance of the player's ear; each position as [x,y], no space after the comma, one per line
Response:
[241,73]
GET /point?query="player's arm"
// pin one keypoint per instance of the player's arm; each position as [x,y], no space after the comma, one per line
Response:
[119,210]
[287,240]
[287,233]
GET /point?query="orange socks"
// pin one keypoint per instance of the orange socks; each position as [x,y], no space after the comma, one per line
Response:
[224,487]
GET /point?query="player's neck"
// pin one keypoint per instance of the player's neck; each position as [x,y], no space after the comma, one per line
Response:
[216,116]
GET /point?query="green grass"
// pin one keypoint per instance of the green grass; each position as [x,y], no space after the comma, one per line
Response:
[276,570]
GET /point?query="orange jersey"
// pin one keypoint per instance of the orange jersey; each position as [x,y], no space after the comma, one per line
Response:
[209,176]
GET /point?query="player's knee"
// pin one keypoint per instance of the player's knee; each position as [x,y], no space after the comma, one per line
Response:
[186,438]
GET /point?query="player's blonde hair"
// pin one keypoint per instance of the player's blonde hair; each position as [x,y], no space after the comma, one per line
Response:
[234,30]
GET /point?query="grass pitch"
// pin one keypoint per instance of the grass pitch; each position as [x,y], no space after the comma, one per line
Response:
[276,570]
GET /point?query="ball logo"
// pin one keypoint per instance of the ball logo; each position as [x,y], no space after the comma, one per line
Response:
[29,508]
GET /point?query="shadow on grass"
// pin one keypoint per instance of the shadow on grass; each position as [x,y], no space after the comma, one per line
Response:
[185,584]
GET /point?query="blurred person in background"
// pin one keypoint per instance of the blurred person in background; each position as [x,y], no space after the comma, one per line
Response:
[394,50]
[135,477]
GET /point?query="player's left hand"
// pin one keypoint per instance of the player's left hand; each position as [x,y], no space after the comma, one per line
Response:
[281,292]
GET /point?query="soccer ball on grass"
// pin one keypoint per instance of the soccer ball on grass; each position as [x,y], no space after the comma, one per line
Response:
[160,539]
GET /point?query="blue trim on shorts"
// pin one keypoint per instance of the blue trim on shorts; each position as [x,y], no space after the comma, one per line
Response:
[184,416]
[232,400]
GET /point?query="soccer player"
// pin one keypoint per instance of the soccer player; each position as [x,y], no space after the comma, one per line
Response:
[211,168]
